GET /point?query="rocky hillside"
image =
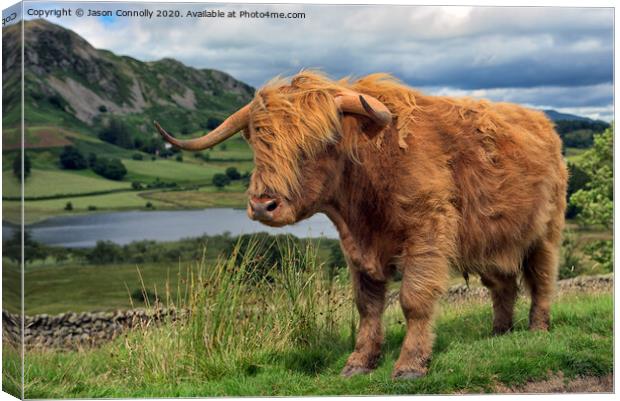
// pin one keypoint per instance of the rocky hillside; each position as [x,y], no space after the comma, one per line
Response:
[70,83]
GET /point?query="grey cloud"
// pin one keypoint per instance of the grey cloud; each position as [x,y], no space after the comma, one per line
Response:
[456,47]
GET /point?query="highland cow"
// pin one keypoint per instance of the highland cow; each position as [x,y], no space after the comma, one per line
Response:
[413,183]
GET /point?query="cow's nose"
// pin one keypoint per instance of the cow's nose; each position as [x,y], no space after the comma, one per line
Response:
[263,209]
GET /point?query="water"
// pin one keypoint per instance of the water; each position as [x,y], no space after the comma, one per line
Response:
[124,227]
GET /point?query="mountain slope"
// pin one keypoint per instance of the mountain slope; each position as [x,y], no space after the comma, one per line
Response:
[557,116]
[70,83]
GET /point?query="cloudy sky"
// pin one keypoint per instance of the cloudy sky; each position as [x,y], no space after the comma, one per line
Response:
[560,58]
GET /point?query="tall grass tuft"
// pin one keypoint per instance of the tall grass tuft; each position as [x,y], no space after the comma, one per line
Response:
[234,313]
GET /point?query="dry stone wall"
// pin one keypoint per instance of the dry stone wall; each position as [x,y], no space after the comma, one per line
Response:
[74,330]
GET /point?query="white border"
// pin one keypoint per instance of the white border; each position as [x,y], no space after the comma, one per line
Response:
[532,3]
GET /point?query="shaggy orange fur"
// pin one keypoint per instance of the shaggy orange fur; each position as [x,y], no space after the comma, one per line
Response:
[466,183]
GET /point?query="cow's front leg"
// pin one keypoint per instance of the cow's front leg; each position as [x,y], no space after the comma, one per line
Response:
[370,300]
[424,280]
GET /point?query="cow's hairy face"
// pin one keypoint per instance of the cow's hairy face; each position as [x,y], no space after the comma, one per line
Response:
[294,138]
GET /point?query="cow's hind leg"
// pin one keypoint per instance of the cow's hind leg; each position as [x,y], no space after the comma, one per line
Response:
[370,300]
[540,274]
[504,290]
[423,283]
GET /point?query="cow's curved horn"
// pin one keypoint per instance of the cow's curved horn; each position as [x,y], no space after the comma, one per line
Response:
[233,124]
[353,102]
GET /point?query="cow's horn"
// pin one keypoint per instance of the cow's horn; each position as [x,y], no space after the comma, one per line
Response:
[233,124]
[353,102]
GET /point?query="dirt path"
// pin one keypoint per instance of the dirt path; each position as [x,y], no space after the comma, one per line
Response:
[557,383]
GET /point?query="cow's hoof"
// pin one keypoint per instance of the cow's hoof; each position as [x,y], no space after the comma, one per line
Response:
[350,371]
[539,327]
[408,374]
[501,330]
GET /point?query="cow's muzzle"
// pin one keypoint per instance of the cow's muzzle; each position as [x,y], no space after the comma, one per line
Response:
[263,209]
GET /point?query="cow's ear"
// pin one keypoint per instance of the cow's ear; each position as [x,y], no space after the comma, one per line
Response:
[355,124]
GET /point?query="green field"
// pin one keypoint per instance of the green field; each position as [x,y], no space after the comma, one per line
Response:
[38,210]
[170,170]
[467,358]
[209,196]
[77,186]
[79,288]
[235,148]
[55,286]
[50,183]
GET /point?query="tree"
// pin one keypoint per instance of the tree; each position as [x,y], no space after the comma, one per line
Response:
[117,133]
[57,101]
[336,257]
[105,252]
[595,201]
[152,145]
[221,180]
[233,173]
[213,123]
[12,248]
[17,166]
[71,159]
[112,169]
[577,179]
[92,159]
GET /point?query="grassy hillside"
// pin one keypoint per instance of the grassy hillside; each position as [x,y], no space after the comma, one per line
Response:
[292,336]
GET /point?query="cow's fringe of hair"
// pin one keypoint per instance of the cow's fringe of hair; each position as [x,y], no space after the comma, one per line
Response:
[297,118]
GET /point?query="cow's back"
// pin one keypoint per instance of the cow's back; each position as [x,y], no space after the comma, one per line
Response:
[509,176]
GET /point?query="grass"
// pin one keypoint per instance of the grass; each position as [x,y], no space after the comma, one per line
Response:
[37,210]
[74,285]
[466,359]
[42,209]
[229,196]
[11,287]
[291,335]
[235,148]
[574,154]
[78,285]
[171,170]
[49,182]
[36,137]
[80,288]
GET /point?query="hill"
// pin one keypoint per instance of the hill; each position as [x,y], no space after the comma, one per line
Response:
[557,116]
[576,131]
[70,83]
[103,104]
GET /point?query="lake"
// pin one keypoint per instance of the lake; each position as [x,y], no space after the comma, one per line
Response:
[124,227]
